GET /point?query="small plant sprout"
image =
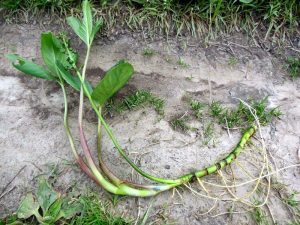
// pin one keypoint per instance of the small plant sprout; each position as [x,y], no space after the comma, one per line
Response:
[148,52]
[182,63]
[293,64]
[61,66]
[233,61]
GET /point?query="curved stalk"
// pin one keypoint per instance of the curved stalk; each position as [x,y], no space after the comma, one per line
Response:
[110,175]
[78,158]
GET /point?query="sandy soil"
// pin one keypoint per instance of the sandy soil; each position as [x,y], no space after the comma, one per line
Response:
[32,134]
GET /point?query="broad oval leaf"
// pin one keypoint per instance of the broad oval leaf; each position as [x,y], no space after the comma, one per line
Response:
[46,195]
[114,79]
[28,207]
[28,67]
[53,213]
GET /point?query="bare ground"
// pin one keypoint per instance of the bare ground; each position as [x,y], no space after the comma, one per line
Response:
[32,134]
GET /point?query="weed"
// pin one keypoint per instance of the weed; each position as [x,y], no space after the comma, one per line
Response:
[148,52]
[259,216]
[139,98]
[60,67]
[241,116]
[197,107]
[95,211]
[293,65]
[182,63]
[50,207]
[293,203]
[233,61]
[216,109]
[208,133]
[180,124]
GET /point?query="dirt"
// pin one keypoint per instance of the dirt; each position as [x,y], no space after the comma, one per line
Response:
[32,133]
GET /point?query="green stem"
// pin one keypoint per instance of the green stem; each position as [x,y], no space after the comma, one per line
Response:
[70,137]
[111,175]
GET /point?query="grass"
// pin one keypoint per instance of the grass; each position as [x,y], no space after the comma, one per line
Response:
[93,212]
[241,116]
[208,133]
[96,212]
[293,64]
[148,52]
[180,123]
[199,18]
[197,107]
[136,99]
[233,61]
[182,63]
[259,216]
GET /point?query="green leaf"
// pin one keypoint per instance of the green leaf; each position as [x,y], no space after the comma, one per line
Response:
[78,28]
[87,19]
[53,213]
[50,51]
[72,80]
[53,50]
[114,79]
[46,195]
[29,67]
[28,207]
[96,28]
[246,1]
[85,29]
[70,208]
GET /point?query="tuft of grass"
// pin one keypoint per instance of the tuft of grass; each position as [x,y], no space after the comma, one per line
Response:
[293,203]
[182,63]
[293,65]
[95,211]
[148,52]
[233,61]
[241,116]
[208,133]
[259,216]
[136,99]
[216,109]
[197,107]
[180,124]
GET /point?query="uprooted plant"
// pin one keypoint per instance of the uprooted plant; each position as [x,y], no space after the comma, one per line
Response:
[62,67]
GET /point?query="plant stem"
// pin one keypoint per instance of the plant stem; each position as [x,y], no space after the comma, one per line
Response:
[78,158]
[110,174]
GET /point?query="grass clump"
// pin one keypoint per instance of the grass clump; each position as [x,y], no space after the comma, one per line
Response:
[241,116]
[95,212]
[208,133]
[293,64]
[136,99]
[259,216]
[197,107]
[180,124]
[216,109]
[182,63]
[148,52]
